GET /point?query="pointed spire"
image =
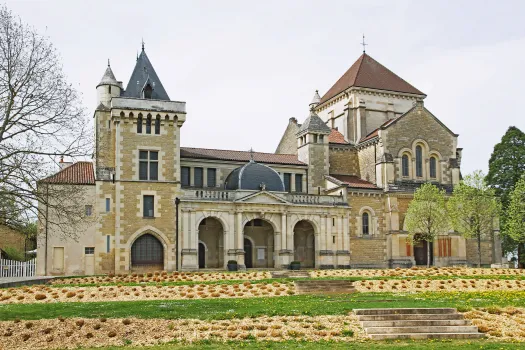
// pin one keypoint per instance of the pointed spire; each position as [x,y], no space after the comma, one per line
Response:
[108,78]
[108,63]
[144,73]
[315,100]
[142,44]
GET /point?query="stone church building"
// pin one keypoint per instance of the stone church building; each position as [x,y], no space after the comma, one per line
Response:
[333,195]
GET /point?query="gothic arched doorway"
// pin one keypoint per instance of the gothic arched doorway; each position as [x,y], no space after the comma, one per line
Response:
[211,237]
[260,233]
[147,253]
[304,243]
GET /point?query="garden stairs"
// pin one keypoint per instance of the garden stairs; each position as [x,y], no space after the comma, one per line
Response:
[290,274]
[422,323]
[315,286]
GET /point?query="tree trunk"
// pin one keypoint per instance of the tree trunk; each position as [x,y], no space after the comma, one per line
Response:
[521,259]
[428,254]
[479,250]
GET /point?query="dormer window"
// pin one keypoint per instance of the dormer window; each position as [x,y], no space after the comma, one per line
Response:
[148,90]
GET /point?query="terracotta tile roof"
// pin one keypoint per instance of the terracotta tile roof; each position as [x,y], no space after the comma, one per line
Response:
[352,181]
[367,72]
[336,137]
[370,136]
[80,173]
[240,156]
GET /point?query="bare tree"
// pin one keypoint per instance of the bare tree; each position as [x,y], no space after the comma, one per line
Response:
[41,118]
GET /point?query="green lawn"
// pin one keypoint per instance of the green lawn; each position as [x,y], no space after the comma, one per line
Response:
[369,345]
[253,307]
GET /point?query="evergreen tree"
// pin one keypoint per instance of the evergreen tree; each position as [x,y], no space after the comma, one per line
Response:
[506,165]
[473,208]
[427,216]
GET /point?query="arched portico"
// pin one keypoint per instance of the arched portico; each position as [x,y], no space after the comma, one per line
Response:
[211,236]
[304,243]
[259,237]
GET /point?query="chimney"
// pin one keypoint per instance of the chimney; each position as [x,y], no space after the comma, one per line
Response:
[62,164]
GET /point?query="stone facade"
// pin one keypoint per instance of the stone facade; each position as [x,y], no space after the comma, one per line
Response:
[159,206]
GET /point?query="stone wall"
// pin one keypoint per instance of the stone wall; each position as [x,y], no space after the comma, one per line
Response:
[368,253]
[10,238]
[343,160]
[472,252]
[367,162]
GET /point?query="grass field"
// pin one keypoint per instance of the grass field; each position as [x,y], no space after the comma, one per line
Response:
[252,311]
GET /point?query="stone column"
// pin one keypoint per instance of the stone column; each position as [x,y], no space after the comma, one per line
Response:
[239,247]
[289,235]
[188,254]
[229,238]
[194,238]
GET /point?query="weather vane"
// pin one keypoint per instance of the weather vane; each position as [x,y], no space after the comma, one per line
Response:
[364,44]
[251,154]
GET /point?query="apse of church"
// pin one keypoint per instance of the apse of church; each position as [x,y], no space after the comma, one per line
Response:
[333,195]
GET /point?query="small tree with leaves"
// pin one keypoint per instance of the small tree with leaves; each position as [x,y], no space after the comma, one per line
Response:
[473,208]
[515,223]
[427,215]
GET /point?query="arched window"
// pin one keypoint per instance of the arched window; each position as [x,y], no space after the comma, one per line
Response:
[148,124]
[148,90]
[433,167]
[157,125]
[419,161]
[139,124]
[404,165]
[366,224]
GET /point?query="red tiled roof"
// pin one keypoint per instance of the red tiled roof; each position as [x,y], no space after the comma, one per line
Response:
[370,136]
[240,156]
[336,137]
[80,173]
[367,72]
[353,181]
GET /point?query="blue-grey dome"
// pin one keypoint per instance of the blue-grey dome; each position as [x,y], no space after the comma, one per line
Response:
[252,176]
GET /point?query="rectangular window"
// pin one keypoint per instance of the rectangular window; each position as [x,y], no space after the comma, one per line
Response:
[185,176]
[298,182]
[149,209]
[333,239]
[108,205]
[212,177]
[89,210]
[321,138]
[315,138]
[197,177]
[287,179]
[148,165]
[89,250]
[333,221]
[108,243]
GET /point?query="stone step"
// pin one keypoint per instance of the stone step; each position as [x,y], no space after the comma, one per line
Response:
[415,323]
[290,274]
[409,317]
[421,329]
[403,311]
[427,336]
[321,287]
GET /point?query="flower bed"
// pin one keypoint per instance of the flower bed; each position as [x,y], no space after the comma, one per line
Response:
[165,277]
[73,333]
[500,323]
[46,294]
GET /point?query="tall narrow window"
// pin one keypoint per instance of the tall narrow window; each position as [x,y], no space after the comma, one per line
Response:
[139,124]
[212,177]
[419,161]
[89,210]
[433,167]
[108,243]
[404,165]
[198,177]
[148,165]
[366,224]
[148,124]
[298,182]
[321,138]
[149,209]
[185,176]
[315,138]
[157,125]
[108,205]
[287,178]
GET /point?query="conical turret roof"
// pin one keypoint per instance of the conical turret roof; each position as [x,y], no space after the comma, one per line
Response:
[142,74]
[108,78]
[314,124]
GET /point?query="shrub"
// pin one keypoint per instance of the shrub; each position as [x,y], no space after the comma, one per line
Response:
[40,296]
[89,335]
[26,336]
[126,322]
[232,262]
[71,294]
[29,325]
[347,333]
[79,323]
[112,334]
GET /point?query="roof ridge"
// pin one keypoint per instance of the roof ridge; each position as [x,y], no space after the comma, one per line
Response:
[232,150]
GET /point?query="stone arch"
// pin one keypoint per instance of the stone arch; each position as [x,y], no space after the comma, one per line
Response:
[203,215]
[409,153]
[261,233]
[211,234]
[251,216]
[315,224]
[304,243]
[161,237]
[372,221]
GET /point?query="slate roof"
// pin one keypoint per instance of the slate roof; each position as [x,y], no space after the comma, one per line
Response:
[351,181]
[314,124]
[108,78]
[251,176]
[80,173]
[143,71]
[367,72]
[241,156]
[336,137]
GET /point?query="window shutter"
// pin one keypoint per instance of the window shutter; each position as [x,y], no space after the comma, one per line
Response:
[198,178]
[185,176]
[212,177]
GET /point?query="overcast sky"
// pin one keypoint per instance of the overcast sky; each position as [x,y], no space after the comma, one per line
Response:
[245,67]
